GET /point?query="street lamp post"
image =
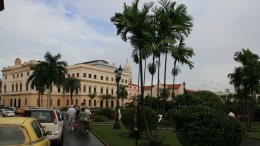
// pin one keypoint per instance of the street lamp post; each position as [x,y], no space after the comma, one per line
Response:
[118,73]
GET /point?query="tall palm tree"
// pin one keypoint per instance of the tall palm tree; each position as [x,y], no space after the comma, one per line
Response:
[152,70]
[54,72]
[181,54]
[133,24]
[246,81]
[72,85]
[122,93]
[37,79]
[175,72]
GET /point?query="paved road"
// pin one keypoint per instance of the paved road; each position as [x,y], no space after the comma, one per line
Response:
[74,138]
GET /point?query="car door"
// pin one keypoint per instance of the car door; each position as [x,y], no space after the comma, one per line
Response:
[40,134]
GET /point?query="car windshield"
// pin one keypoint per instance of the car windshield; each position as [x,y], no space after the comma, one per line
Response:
[11,135]
[6,110]
[40,115]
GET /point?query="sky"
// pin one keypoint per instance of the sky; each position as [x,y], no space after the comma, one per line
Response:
[81,30]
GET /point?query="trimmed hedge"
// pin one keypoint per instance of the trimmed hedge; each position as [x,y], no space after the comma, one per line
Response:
[203,126]
[128,119]
[100,119]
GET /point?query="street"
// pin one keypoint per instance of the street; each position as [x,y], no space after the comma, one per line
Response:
[74,138]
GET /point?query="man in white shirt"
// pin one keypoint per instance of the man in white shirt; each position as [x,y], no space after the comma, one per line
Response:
[71,116]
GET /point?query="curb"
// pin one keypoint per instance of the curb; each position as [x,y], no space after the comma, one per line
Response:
[102,141]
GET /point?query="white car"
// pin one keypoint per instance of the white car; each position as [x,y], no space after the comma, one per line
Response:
[50,120]
[7,112]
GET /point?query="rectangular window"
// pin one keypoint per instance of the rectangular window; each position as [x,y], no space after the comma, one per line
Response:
[89,103]
[89,75]
[95,76]
[112,91]
[77,74]
[101,77]
[89,89]
[84,89]
[95,89]
[73,75]
[106,91]
[112,79]
[101,90]
[59,89]
[21,75]
[106,78]
[68,75]
[13,76]
[28,73]
[95,103]
[17,75]
[84,75]
[5,77]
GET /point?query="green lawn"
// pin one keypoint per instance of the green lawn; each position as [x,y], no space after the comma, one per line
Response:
[115,137]
[255,131]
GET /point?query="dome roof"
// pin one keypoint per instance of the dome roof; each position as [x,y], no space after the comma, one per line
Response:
[127,67]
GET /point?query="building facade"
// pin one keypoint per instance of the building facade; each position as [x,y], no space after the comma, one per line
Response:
[178,89]
[96,78]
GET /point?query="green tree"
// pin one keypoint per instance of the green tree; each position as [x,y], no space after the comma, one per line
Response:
[37,79]
[246,79]
[123,93]
[175,72]
[72,85]
[152,71]
[53,72]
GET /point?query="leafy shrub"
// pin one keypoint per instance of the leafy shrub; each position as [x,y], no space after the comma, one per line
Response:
[100,119]
[128,119]
[107,112]
[203,126]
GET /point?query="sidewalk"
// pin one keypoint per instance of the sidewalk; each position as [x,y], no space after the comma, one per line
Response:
[74,138]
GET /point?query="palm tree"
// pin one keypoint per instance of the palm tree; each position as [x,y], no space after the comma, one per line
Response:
[106,97]
[122,93]
[54,72]
[37,79]
[175,72]
[152,70]
[181,54]
[72,85]
[92,96]
[246,81]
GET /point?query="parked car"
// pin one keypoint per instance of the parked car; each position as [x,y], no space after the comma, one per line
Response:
[50,120]
[7,112]
[22,131]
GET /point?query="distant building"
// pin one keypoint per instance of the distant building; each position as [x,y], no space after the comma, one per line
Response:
[178,89]
[95,77]
[227,95]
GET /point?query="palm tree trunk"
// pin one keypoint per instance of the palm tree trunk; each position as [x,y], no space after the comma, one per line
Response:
[173,81]
[144,70]
[49,96]
[152,78]
[71,101]
[158,80]
[164,82]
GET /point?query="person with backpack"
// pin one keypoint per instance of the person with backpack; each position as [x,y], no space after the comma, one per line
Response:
[84,121]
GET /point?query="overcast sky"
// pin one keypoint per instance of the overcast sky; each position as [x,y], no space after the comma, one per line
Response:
[81,30]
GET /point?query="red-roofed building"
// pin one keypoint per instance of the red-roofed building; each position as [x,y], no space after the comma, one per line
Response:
[177,88]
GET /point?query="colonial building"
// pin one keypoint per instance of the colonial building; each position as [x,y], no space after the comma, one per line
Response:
[96,78]
[176,88]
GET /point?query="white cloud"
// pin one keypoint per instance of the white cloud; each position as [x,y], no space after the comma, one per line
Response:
[81,31]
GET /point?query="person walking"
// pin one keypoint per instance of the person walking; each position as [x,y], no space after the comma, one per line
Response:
[71,116]
[84,121]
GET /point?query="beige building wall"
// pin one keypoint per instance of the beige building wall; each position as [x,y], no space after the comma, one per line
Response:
[95,77]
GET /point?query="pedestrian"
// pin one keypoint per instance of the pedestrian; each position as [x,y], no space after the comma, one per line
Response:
[84,121]
[71,116]
[89,116]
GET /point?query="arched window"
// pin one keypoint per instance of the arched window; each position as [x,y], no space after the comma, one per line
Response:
[112,103]
[11,102]
[95,103]
[19,102]
[12,87]
[84,101]
[15,102]
[58,102]
[67,102]
[101,103]
[90,103]
[5,88]
[21,86]
[16,87]
[76,101]
[25,101]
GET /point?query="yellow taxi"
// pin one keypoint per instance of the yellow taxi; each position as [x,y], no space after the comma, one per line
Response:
[22,131]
